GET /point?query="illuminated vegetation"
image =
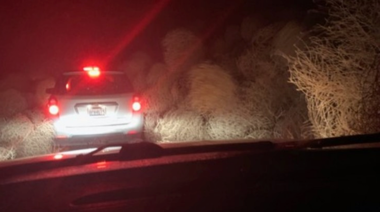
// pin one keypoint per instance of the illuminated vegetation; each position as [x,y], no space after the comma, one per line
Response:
[255,81]
[339,70]
[24,130]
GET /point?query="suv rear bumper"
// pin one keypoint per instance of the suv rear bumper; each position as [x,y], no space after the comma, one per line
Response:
[62,131]
[79,142]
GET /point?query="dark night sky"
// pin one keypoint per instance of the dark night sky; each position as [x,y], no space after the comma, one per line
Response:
[65,34]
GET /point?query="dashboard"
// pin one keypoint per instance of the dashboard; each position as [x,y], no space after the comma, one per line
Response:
[242,177]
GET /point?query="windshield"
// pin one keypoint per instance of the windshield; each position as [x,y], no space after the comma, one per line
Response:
[193,70]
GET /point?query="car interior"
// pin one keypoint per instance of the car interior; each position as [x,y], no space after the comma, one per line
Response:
[325,175]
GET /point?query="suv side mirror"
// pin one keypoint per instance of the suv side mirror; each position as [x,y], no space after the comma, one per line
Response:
[50,90]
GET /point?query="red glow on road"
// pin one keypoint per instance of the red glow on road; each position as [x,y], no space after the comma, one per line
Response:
[132,132]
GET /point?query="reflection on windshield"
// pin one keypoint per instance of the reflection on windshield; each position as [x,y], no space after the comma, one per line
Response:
[306,73]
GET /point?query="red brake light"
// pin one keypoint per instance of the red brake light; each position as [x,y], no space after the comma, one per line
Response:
[92,71]
[53,108]
[89,68]
[136,105]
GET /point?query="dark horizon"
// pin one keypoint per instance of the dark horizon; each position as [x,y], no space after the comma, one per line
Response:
[45,35]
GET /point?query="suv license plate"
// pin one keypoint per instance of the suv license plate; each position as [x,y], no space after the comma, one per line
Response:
[96,111]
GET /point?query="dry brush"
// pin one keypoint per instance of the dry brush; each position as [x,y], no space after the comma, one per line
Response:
[211,89]
[338,71]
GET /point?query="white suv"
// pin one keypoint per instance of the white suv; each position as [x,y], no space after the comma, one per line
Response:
[93,103]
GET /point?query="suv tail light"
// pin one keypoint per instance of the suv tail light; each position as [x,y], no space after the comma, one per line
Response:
[136,104]
[53,107]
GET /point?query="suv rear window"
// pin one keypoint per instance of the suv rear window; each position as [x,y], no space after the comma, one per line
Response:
[82,84]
